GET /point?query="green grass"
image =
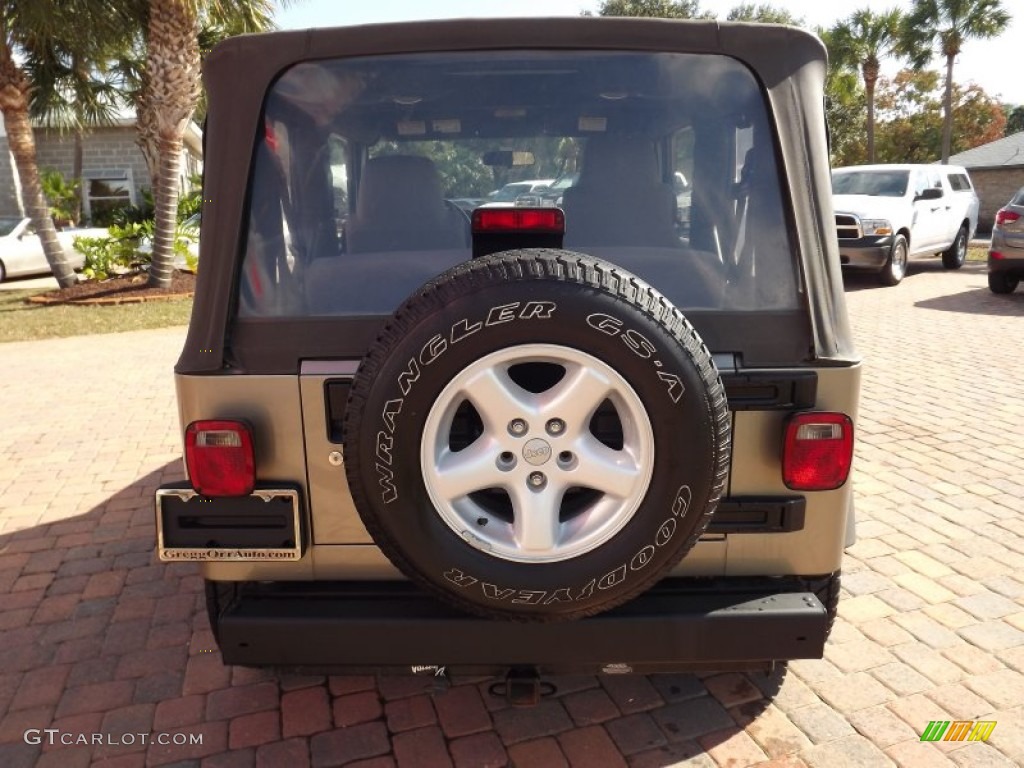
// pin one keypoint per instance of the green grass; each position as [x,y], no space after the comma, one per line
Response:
[21,321]
[977,253]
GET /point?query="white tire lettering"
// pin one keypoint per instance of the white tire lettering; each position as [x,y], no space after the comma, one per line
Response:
[642,558]
[559,596]
[682,501]
[676,388]
[604,323]
[529,597]
[433,349]
[384,445]
[665,532]
[587,591]
[385,477]
[493,593]
[539,310]
[391,409]
[502,314]
[463,329]
[409,376]
[637,342]
[612,578]
[458,578]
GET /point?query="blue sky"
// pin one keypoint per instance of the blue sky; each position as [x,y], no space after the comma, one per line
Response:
[984,63]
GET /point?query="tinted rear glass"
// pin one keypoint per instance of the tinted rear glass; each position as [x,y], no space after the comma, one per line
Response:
[959,182]
[368,168]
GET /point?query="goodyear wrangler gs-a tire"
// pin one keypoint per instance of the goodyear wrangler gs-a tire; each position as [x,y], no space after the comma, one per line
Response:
[536,435]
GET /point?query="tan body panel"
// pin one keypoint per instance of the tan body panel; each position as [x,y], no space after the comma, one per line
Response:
[340,547]
[757,470]
[271,406]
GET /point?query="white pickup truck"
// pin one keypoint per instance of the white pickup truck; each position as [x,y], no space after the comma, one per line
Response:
[887,213]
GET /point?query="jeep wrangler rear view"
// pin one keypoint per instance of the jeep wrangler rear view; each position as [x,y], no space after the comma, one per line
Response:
[605,435]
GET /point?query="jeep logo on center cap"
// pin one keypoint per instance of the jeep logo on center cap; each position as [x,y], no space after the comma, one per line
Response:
[536,451]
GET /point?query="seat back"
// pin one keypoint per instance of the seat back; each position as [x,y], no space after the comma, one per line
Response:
[620,198]
[401,207]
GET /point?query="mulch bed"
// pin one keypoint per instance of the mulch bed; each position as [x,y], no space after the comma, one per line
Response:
[126,289]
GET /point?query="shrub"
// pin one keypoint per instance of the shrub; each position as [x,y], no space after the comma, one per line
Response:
[62,196]
[117,254]
[128,248]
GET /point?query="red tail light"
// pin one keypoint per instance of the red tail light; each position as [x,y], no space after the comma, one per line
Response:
[219,458]
[818,451]
[1004,216]
[519,220]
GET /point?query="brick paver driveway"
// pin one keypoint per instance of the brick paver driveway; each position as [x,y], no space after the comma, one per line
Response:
[97,638]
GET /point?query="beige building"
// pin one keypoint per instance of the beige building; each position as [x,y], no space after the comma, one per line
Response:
[114,172]
[997,170]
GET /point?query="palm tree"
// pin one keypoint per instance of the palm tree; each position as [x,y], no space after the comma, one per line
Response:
[661,9]
[844,106]
[25,28]
[72,94]
[170,92]
[949,23]
[861,41]
[764,13]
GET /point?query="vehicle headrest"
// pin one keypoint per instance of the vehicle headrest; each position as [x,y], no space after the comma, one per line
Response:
[618,161]
[408,186]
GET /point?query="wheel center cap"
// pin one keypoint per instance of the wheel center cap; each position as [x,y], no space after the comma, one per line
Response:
[536,451]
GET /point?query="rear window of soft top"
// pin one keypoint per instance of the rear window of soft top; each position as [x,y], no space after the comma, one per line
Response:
[367,168]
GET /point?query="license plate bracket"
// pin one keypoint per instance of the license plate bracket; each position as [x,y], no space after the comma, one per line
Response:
[263,526]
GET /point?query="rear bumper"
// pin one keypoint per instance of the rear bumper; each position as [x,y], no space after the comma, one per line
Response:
[680,625]
[1012,261]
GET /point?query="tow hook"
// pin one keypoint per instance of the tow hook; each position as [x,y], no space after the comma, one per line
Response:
[522,687]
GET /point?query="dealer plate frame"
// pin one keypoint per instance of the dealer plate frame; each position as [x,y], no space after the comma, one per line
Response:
[230,554]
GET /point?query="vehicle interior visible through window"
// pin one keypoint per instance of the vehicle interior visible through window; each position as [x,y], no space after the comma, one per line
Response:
[369,168]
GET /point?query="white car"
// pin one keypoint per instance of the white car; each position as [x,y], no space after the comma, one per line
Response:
[189,228]
[21,251]
[887,213]
[512,191]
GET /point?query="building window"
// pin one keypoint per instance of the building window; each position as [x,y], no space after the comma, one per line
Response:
[106,192]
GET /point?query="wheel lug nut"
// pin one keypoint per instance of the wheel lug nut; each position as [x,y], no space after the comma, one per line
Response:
[518,427]
[536,479]
[555,427]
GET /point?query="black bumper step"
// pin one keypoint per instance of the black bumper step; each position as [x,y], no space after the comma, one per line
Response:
[394,627]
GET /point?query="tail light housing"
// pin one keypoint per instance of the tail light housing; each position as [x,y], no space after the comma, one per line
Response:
[817,451]
[220,458]
[1006,216]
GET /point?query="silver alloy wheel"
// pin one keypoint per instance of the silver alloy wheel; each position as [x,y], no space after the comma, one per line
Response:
[961,247]
[898,261]
[537,466]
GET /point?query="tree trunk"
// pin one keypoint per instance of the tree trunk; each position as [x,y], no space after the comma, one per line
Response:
[947,110]
[76,176]
[165,224]
[170,91]
[14,104]
[147,138]
[870,71]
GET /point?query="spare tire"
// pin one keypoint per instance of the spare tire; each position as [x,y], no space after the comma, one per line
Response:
[536,435]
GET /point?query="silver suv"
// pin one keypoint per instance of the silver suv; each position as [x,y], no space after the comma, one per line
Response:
[540,439]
